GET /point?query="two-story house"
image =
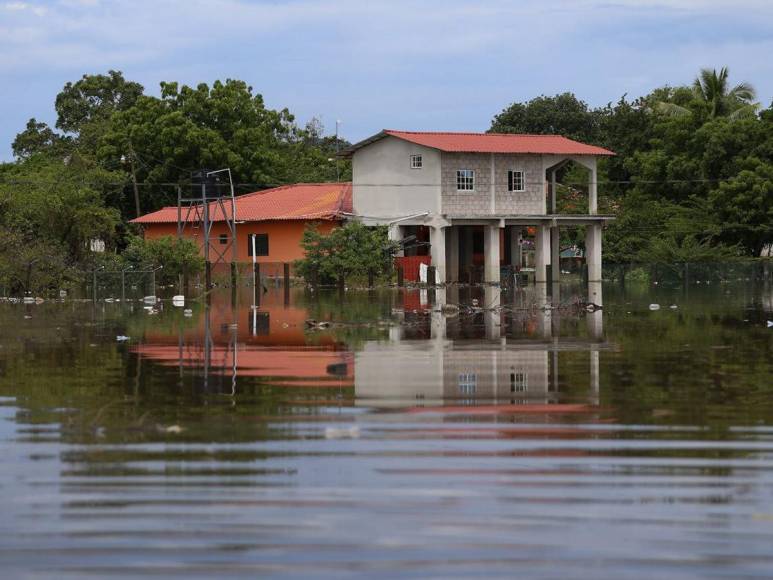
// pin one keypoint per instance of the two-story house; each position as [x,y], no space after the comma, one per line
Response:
[471,196]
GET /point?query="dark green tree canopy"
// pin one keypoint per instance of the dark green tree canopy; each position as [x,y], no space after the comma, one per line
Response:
[562,114]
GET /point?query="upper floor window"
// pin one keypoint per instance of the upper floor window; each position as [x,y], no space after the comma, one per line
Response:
[223,239]
[416,162]
[465,180]
[516,181]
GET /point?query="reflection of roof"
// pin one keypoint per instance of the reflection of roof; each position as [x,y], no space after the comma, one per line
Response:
[309,366]
[489,143]
[302,201]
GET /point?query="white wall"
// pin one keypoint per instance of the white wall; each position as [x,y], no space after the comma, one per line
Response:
[385,186]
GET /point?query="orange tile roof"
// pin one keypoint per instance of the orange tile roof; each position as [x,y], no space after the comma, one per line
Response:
[489,143]
[301,201]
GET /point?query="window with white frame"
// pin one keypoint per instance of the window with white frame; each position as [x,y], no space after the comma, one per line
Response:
[465,180]
[519,382]
[468,383]
[516,180]
[416,162]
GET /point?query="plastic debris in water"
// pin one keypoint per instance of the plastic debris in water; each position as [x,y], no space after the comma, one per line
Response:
[188,312]
[654,306]
[178,300]
[770,323]
[342,433]
[122,338]
[673,307]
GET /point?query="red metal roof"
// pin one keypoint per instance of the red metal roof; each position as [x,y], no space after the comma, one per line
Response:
[301,201]
[490,143]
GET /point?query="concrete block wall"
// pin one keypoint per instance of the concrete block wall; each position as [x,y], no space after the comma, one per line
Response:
[455,202]
[528,202]
[479,202]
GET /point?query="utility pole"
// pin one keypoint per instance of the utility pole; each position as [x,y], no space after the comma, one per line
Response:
[133,171]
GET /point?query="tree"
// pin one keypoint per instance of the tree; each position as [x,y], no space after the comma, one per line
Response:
[176,257]
[712,88]
[352,250]
[743,207]
[711,93]
[562,114]
[38,137]
[94,98]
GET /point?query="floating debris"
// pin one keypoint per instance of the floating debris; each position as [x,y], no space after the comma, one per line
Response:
[654,306]
[122,338]
[342,433]
[673,307]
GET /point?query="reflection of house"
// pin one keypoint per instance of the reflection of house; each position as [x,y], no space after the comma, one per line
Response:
[269,342]
[468,198]
[275,218]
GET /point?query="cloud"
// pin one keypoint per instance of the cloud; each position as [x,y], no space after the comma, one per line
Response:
[432,64]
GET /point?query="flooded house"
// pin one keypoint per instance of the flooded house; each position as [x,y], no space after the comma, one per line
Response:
[466,201]
[269,222]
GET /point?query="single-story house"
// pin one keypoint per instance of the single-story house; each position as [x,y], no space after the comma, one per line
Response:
[275,217]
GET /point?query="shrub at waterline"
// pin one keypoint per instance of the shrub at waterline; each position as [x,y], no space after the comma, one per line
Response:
[351,252]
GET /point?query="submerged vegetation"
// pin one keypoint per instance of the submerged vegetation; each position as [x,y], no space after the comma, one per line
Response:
[692,178]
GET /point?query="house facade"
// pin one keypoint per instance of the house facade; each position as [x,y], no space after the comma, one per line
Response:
[467,199]
[274,219]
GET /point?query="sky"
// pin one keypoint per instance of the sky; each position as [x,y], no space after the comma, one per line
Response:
[373,64]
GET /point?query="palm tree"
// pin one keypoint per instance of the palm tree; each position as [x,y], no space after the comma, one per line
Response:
[712,88]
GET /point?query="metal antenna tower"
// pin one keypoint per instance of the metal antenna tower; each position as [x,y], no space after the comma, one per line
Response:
[208,204]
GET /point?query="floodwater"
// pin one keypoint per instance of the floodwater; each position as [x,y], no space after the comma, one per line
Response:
[392,439]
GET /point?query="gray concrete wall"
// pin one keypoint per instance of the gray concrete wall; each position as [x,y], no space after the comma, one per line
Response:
[384,184]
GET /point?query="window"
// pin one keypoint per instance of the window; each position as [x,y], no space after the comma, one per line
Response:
[468,383]
[416,162]
[519,382]
[223,239]
[516,181]
[465,180]
[261,244]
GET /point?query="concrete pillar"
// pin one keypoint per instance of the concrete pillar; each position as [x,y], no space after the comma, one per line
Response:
[593,252]
[593,195]
[395,234]
[437,240]
[452,254]
[492,317]
[594,377]
[491,253]
[553,202]
[541,253]
[555,254]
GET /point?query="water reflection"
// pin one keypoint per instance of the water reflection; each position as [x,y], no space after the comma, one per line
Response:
[460,345]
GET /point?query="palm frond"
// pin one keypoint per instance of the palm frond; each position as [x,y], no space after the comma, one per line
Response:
[743,92]
[744,112]
[671,109]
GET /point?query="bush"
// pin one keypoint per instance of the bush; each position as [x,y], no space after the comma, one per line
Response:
[176,256]
[350,251]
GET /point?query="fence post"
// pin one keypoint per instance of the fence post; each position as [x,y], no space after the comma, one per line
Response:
[287,283]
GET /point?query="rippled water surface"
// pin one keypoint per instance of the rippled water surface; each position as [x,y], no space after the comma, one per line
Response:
[390,438]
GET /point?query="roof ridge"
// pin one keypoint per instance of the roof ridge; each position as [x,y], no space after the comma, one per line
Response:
[477,134]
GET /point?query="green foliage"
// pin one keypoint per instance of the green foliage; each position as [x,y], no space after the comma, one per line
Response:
[692,174]
[350,251]
[175,257]
[562,114]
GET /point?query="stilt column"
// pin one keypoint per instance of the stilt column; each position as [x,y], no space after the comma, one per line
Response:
[541,253]
[515,246]
[437,240]
[555,254]
[491,253]
[593,252]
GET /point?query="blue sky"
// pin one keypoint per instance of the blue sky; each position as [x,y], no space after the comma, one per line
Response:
[421,65]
